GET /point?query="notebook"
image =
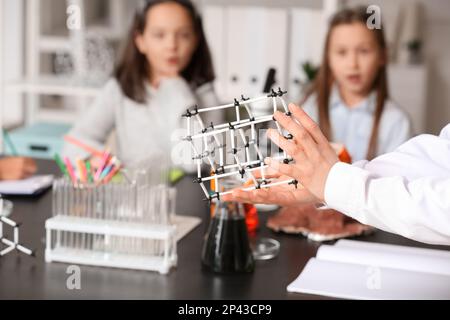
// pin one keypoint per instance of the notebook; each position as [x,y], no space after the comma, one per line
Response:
[362,270]
[29,186]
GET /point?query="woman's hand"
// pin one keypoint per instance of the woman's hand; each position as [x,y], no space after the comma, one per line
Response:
[283,195]
[313,158]
[312,153]
[15,168]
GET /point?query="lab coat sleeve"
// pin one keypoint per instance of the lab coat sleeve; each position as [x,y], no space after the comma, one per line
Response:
[417,209]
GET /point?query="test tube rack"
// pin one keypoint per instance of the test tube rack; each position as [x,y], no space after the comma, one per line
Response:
[123,225]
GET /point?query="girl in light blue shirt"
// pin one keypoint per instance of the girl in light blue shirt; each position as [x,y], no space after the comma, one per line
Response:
[349,98]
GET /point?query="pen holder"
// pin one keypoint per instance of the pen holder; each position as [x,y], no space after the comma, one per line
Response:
[123,224]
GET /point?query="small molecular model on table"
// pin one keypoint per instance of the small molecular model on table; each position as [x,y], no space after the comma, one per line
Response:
[10,244]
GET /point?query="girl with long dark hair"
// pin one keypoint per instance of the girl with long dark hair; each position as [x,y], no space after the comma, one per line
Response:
[166,67]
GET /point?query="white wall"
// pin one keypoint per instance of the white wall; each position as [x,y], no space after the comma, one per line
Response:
[281,35]
[12,25]
[436,32]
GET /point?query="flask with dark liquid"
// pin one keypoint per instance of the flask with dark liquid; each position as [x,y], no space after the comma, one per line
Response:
[226,248]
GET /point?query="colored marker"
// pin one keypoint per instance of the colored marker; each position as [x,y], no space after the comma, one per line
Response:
[81,170]
[103,163]
[70,170]
[112,174]
[60,164]
[106,171]
[10,143]
[83,146]
[108,168]
[89,171]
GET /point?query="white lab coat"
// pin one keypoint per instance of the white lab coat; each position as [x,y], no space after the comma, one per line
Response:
[406,191]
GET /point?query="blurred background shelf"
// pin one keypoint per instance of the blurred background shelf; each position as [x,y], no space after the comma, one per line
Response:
[52,43]
[54,85]
[281,35]
[408,87]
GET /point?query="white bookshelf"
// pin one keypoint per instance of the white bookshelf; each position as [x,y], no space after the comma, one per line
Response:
[408,88]
[53,85]
[408,83]
[1,76]
[247,38]
[11,66]
[44,38]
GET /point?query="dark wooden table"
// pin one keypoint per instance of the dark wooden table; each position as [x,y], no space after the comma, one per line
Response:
[23,277]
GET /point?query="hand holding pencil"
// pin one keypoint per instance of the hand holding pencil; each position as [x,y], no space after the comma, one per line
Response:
[15,168]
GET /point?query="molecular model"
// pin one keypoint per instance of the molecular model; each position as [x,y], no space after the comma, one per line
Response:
[11,245]
[246,155]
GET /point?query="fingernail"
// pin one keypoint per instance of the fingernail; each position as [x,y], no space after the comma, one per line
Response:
[267,160]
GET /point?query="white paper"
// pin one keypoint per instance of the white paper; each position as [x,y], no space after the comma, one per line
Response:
[393,248]
[353,281]
[366,270]
[26,186]
[412,261]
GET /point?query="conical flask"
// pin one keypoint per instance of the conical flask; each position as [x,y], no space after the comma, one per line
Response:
[226,248]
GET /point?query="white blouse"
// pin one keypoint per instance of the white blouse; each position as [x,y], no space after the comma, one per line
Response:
[353,126]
